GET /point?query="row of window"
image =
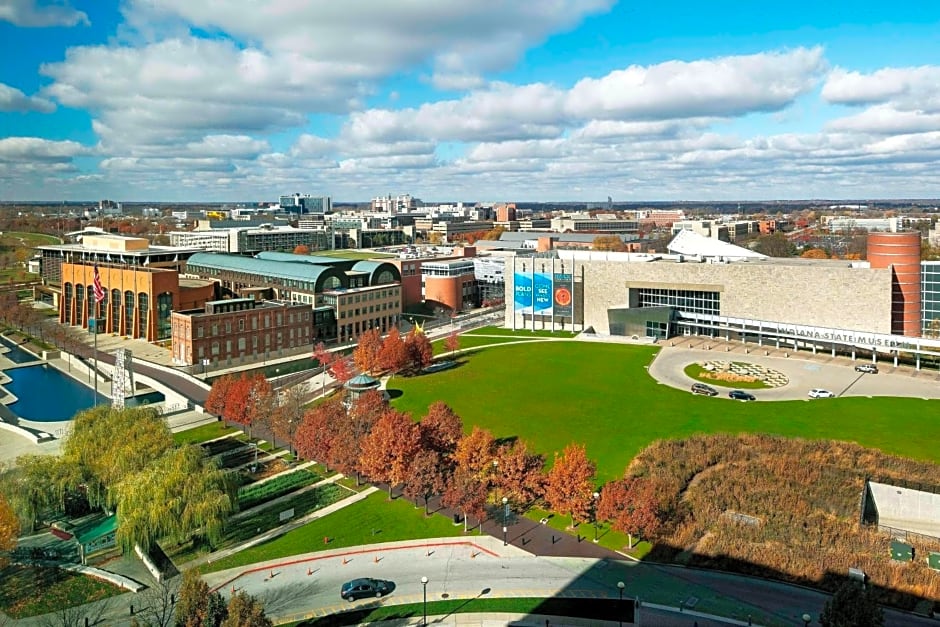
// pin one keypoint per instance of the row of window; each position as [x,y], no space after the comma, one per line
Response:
[696,301]
[241,324]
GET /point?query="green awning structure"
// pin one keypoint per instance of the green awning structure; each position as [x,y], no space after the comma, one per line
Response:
[97,535]
[933,560]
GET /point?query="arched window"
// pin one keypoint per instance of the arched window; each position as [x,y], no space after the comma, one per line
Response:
[331,283]
[79,304]
[67,305]
[385,276]
[115,311]
[164,307]
[143,311]
[90,299]
[129,312]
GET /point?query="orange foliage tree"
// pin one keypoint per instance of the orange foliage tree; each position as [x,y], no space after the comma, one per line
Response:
[366,354]
[9,530]
[427,476]
[631,505]
[569,488]
[475,452]
[215,400]
[519,477]
[452,343]
[362,416]
[393,356]
[389,448]
[420,353]
[301,249]
[466,493]
[441,429]
[815,253]
[318,431]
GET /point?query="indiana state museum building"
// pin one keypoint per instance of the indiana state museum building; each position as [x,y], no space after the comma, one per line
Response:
[886,308]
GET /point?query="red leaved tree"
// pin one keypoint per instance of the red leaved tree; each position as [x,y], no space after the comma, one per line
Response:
[362,416]
[519,476]
[419,351]
[441,429]
[237,407]
[366,353]
[452,343]
[262,402]
[317,433]
[475,453]
[301,249]
[631,505]
[215,401]
[393,357]
[341,369]
[389,448]
[466,493]
[427,476]
[570,485]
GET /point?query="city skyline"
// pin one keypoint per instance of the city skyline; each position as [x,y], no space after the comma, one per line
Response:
[167,100]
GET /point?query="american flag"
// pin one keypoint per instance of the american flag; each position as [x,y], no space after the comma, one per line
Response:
[99,291]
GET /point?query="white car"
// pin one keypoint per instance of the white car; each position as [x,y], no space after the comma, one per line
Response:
[820,393]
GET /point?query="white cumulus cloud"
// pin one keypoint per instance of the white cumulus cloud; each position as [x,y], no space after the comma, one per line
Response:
[12,99]
[39,14]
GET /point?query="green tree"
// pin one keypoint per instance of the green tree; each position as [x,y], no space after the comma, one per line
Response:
[36,485]
[775,245]
[853,605]
[180,494]
[133,438]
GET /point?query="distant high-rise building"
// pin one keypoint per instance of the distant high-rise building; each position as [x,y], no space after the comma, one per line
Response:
[306,204]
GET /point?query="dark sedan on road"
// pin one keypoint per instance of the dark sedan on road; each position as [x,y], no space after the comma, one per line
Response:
[365,587]
[741,395]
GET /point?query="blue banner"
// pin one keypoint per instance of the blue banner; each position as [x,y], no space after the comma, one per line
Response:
[543,291]
[522,288]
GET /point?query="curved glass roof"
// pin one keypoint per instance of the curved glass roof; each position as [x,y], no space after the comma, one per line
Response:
[305,272]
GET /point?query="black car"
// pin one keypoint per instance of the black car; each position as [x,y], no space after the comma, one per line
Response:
[869,368]
[365,587]
[701,388]
[741,395]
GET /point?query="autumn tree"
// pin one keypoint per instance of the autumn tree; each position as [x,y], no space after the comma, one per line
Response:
[249,400]
[341,369]
[366,354]
[215,400]
[427,476]
[245,611]
[608,242]
[519,477]
[775,245]
[288,414]
[389,448]
[631,506]
[182,493]
[318,431]
[475,452]
[197,605]
[9,530]
[852,605]
[301,249]
[393,356]
[325,358]
[441,429]
[419,351]
[569,488]
[347,444]
[452,343]
[815,253]
[466,493]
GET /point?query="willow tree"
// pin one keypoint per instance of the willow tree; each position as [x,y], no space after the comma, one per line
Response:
[181,494]
[37,485]
[132,437]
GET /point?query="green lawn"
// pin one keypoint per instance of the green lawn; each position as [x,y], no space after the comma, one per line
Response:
[606,536]
[520,334]
[203,433]
[554,393]
[352,254]
[469,341]
[369,521]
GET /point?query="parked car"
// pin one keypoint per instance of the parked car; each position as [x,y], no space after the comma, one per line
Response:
[821,393]
[741,395]
[701,388]
[869,368]
[365,587]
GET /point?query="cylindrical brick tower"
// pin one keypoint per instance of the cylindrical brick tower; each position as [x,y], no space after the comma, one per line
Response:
[901,253]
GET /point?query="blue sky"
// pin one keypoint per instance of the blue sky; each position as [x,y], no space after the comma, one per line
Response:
[498,100]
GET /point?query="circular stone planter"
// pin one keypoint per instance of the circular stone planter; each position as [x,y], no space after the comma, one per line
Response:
[724,373]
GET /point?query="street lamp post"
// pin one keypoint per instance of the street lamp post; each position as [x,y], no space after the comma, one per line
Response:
[424,583]
[597,495]
[496,485]
[505,531]
[806,619]
[620,587]
[505,510]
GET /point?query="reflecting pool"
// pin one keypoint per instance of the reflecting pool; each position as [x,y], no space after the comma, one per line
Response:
[47,395]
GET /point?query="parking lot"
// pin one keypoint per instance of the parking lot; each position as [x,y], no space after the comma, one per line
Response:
[804,371]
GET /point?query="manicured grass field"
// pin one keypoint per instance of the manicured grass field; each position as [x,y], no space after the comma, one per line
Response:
[470,341]
[32,590]
[369,521]
[352,254]
[520,334]
[203,433]
[555,393]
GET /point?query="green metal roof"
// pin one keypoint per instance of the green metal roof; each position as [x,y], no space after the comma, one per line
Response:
[272,255]
[376,267]
[265,268]
[96,529]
